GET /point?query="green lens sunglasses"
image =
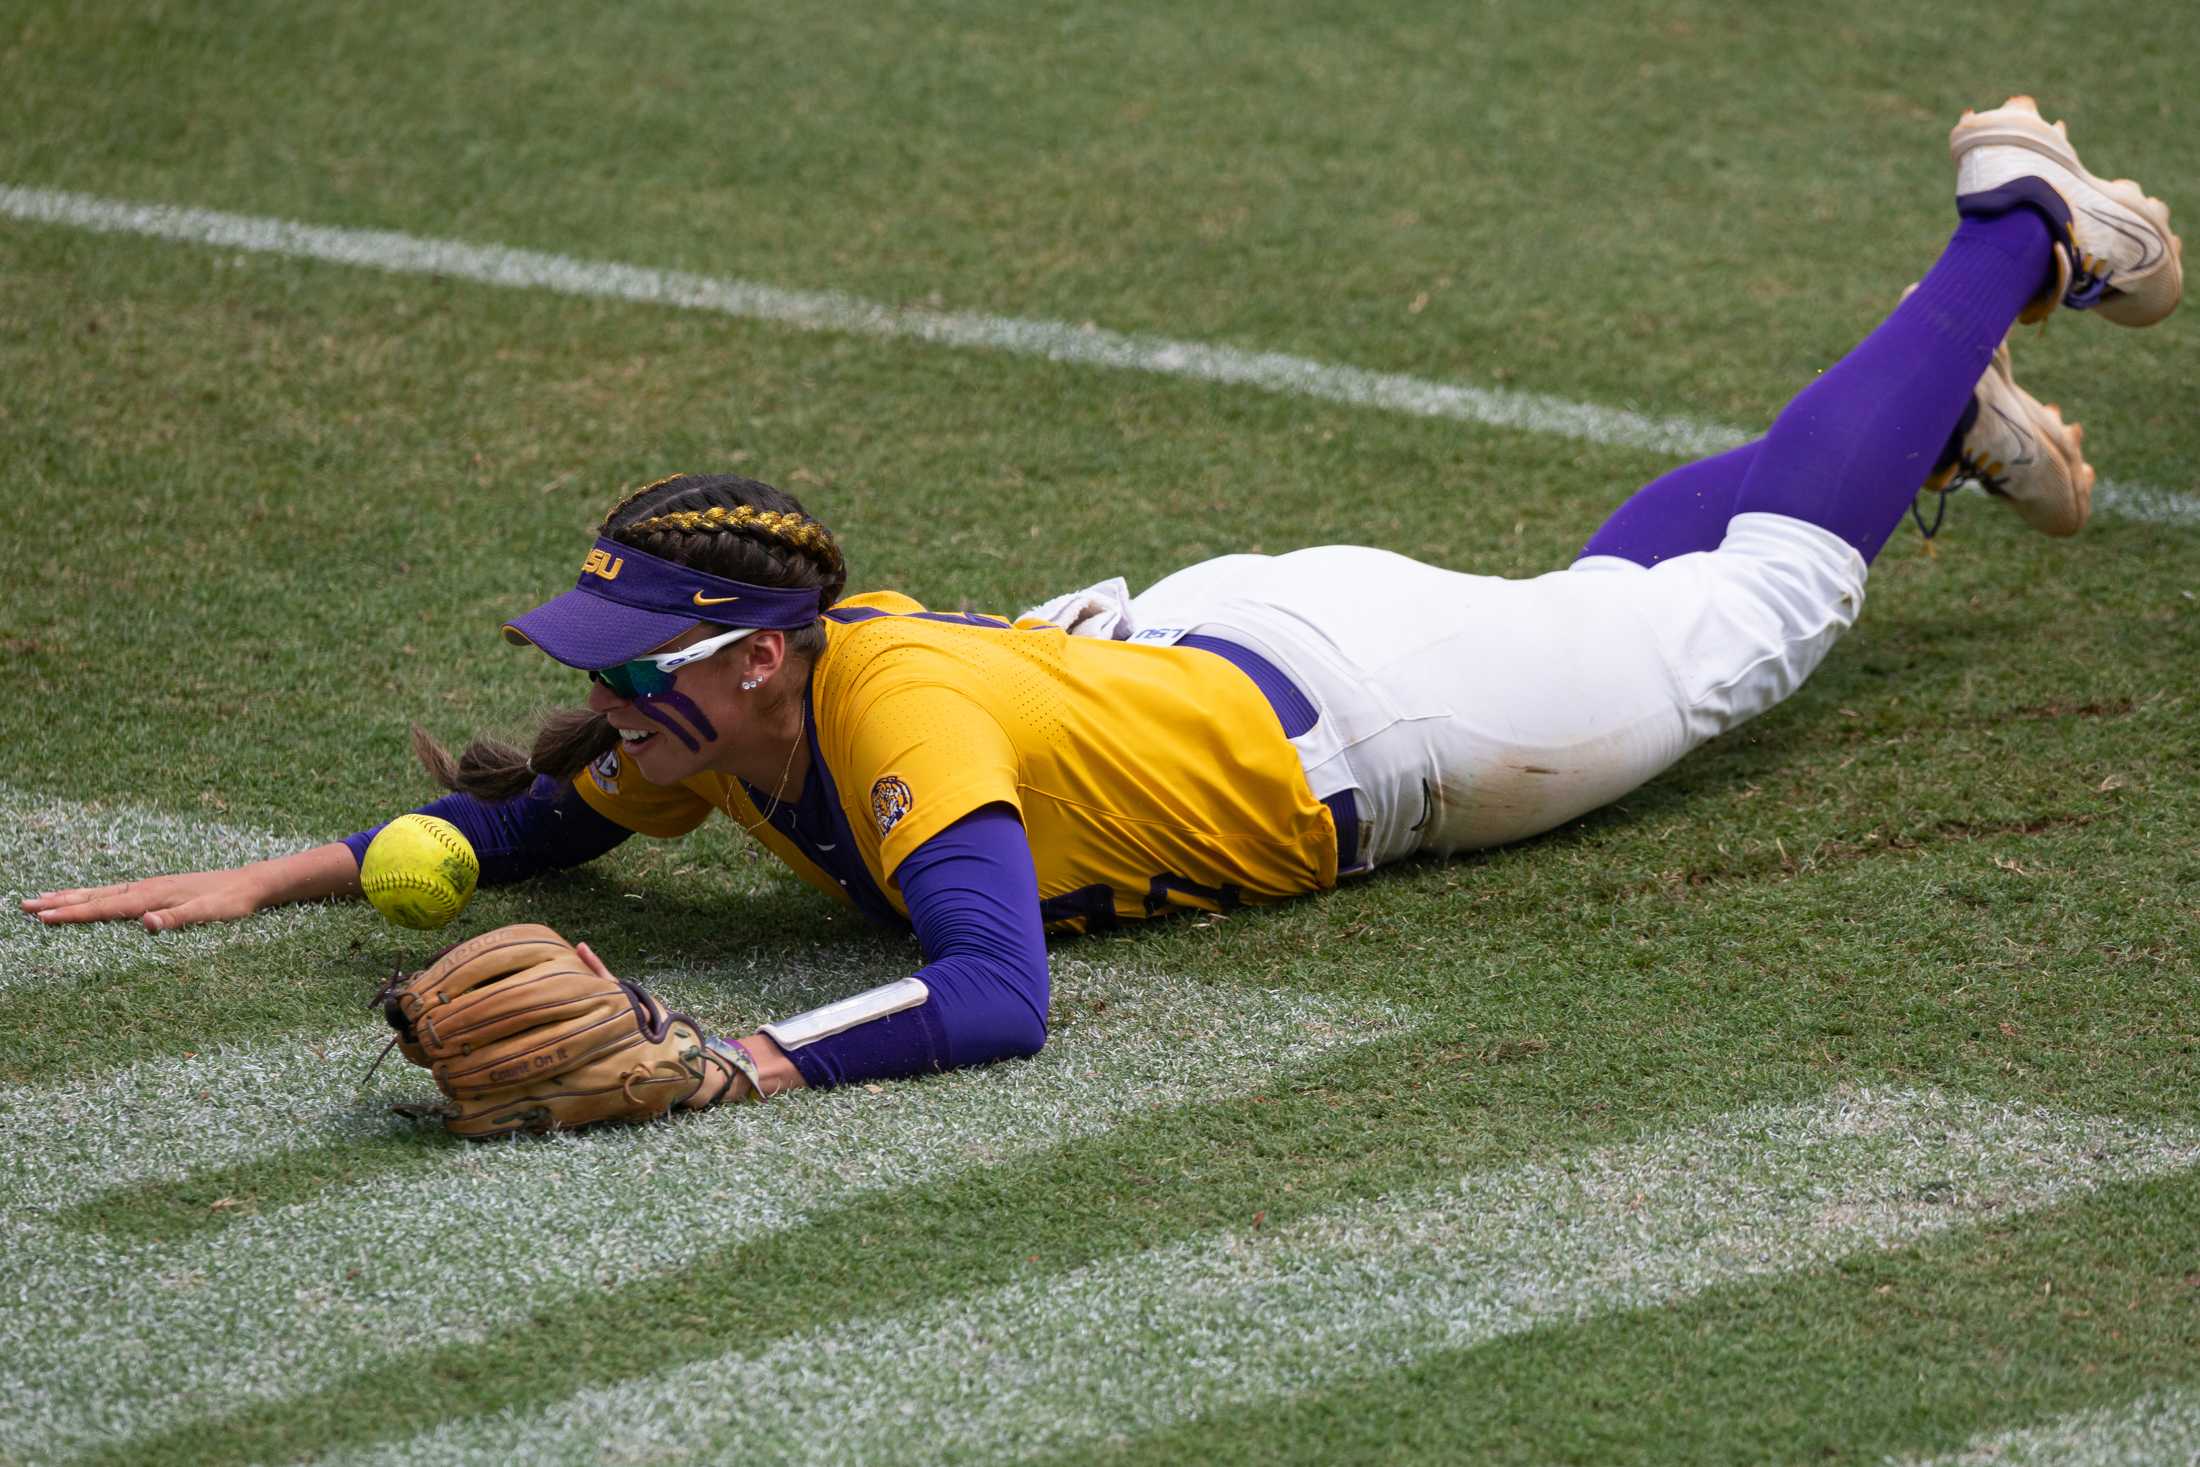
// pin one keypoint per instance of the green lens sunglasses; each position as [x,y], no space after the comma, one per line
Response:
[638,677]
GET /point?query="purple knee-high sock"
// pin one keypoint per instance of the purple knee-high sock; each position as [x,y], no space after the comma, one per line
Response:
[1850,452]
[1676,513]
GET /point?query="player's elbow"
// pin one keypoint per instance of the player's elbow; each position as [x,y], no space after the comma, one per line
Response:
[1009,1031]
[1013,1033]
[1024,1038]
[989,1010]
[1025,1026]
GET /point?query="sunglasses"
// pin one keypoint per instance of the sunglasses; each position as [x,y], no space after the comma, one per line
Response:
[638,677]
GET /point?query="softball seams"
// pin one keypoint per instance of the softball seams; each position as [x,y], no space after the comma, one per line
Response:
[440,900]
[454,845]
[433,879]
[397,881]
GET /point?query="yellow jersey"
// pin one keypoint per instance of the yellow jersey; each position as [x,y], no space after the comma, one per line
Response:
[1148,778]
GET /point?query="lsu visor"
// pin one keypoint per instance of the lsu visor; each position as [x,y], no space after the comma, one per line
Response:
[628,602]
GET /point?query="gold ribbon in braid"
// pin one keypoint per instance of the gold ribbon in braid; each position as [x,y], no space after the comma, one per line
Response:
[797,531]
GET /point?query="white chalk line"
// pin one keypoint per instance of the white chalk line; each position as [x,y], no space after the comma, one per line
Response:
[1056,341]
[1141,1343]
[110,1337]
[2159,1429]
[50,844]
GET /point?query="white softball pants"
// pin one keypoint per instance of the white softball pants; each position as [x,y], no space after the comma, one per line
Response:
[1472,710]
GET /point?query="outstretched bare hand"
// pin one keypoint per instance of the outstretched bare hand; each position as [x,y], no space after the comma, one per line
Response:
[161,903]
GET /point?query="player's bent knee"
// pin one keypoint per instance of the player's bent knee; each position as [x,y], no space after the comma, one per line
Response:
[1775,597]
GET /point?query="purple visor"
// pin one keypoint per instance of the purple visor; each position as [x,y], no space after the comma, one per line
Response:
[628,602]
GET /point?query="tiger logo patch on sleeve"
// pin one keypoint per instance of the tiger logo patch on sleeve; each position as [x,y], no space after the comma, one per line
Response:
[890,800]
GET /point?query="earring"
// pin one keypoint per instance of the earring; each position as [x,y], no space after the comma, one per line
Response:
[751,684]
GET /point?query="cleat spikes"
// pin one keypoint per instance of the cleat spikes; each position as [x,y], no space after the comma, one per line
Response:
[2116,255]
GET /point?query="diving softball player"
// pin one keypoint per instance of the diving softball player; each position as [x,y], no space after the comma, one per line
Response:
[1252,727]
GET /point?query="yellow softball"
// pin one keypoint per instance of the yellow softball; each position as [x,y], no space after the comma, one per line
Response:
[419,871]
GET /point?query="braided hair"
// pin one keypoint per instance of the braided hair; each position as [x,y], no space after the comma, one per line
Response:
[736,528]
[723,524]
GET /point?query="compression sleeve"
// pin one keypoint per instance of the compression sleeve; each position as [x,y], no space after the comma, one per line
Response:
[973,896]
[547,829]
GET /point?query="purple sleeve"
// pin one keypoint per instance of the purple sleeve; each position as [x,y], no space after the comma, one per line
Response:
[973,896]
[547,829]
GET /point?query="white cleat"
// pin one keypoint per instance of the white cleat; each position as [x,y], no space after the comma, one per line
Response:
[2116,253]
[2020,450]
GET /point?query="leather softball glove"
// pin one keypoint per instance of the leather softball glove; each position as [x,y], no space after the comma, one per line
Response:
[522,1035]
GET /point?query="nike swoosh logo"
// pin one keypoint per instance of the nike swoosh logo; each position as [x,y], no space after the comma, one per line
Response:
[2026,440]
[702,600]
[2150,251]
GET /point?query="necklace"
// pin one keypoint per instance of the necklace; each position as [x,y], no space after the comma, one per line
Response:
[802,725]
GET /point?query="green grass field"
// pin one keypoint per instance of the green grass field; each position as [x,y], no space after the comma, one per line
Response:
[1832,1099]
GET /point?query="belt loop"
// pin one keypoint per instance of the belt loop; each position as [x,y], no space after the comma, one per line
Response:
[1344,808]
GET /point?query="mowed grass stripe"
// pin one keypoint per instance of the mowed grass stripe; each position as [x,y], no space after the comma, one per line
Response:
[62,1146]
[2158,1429]
[118,1336]
[52,845]
[1139,1343]
[1058,341]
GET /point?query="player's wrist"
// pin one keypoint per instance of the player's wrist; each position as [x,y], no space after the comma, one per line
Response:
[732,1077]
[303,876]
[270,883]
[750,1068]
